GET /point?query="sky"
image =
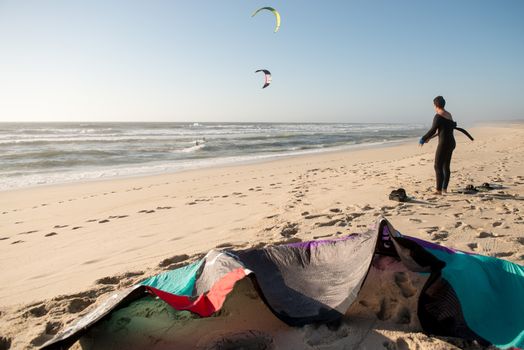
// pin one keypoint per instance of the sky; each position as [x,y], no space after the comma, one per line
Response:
[331,61]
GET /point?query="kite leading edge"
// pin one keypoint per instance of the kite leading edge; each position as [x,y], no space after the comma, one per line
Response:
[267,77]
[275,12]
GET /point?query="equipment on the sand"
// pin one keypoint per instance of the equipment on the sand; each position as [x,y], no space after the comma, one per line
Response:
[466,295]
[485,187]
[469,189]
[399,195]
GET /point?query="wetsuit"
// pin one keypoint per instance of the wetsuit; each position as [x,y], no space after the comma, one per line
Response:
[446,145]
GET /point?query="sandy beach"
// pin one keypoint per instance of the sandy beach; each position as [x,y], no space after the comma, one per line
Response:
[64,248]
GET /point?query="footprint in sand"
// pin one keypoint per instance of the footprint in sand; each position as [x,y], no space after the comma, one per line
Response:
[76,227]
[314,216]
[404,283]
[19,241]
[51,234]
[60,226]
[403,316]
[329,223]
[473,246]
[485,234]
[3,238]
[173,260]
[5,343]
[431,229]
[503,254]
[325,236]
[103,221]
[52,328]
[386,309]
[328,335]
[440,236]
[109,280]
[28,232]
[225,245]
[36,311]
[250,339]
[78,304]
[289,230]
[286,241]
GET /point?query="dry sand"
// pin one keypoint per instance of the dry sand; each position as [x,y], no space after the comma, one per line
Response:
[64,248]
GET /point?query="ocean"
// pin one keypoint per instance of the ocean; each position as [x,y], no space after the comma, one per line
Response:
[34,154]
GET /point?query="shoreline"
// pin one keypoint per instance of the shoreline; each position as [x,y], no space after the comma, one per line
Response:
[139,170]
[210,163]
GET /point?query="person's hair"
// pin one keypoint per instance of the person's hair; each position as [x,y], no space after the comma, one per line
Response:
[439,101]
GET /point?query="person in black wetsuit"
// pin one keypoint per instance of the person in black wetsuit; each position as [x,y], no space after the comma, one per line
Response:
[444,124]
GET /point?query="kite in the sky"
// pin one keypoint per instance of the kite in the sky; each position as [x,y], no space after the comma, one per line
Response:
[275,12]
[267,77]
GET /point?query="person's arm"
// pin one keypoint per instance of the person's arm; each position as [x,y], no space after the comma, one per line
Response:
[465,133]
[431,132]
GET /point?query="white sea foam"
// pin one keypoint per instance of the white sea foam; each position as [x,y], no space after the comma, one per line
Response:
[38,154]
[34,178]
[191,149]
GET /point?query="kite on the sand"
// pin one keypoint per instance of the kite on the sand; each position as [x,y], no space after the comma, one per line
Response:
[465,295]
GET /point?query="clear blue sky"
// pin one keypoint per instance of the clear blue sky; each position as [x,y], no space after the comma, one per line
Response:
[332,61]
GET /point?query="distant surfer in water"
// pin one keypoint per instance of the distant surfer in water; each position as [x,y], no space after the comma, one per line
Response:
[443,126]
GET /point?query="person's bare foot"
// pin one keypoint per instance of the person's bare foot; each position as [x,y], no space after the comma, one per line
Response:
[444,190]
[439,193]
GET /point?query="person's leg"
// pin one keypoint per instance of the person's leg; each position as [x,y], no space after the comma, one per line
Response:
[439,169]
[446,169]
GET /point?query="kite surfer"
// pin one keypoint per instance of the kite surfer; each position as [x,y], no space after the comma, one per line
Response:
[443,123]
[200,142]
